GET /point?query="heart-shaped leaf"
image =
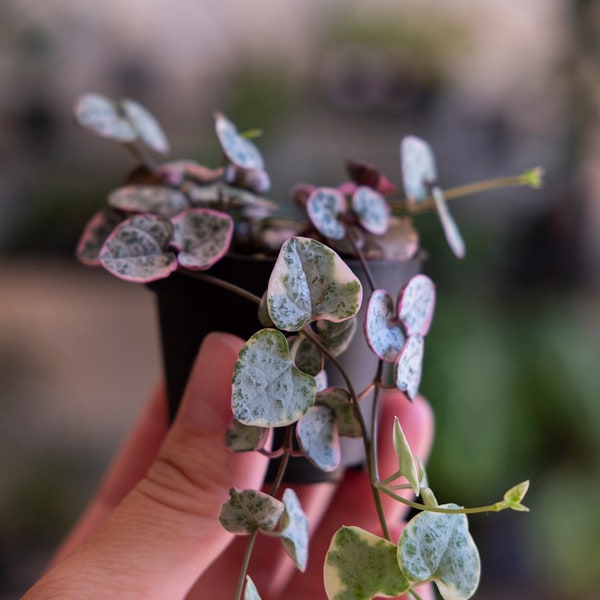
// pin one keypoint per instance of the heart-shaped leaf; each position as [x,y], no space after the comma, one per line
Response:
[325,207]
[438,547]
[409,365]
[309,282]
[249,510]
[146,126]
[250,591]
[245,438]
[294,529]
[307,356]
[400,242]
[336,337]
[364,174]
[338,400]
[360,565]
[418,168]
[135,250]
[371,209]
[239,150]
[451,231]
[416,305]
[406,461]
[319,438]
[383,331]
[155,199]
[98,228]
[100,115]
[268,389]
[203,237]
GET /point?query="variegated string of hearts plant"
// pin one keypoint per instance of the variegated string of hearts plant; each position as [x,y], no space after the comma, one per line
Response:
[183,216]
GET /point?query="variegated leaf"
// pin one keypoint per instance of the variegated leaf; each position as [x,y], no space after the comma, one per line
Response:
[98,228]
[365,174]
[371,209]
[307,356]
[406,460]
[336,337]
[383,331]
[419,171]
[416,305]
[318,438]
[408,367]
[294,529]
[338,400]
[155,199]
[325,208]
[451,231]
[100,115]
[250,591]
[249,510]
[146,126]
[245,438]
[239,150]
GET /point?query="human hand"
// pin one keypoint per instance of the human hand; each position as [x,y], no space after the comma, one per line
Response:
[152,531]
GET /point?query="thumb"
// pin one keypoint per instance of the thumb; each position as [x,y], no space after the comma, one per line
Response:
[166,532]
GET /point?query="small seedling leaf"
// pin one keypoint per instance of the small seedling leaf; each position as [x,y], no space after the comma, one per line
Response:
[135,250]
[318,438]
[336,337]
[419,171]
[416,305]
[146,126]
[325,207]
[155,199]
[250,591]
[534,178]
[338,400]
[239,150]
[383,332]
[245,438]
[203,237]
[249,510]
[514,496]
[371,209]
[100,115]
[451,231]
[409,365]
[309,282]
[406,460]
[98,228]
[438,547]
[294,529]
[268,389]
[360,565]
[307,356]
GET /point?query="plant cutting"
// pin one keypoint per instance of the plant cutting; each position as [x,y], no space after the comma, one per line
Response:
[176,224]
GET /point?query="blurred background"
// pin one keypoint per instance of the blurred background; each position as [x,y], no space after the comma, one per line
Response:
[513,357]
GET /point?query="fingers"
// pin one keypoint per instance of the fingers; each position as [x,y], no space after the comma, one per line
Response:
[166,531]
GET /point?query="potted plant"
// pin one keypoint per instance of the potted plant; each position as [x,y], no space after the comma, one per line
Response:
[206,240]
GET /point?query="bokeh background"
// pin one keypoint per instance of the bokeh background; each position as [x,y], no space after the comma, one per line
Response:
[512,361]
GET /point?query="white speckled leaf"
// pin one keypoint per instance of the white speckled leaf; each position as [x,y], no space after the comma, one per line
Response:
[98,228]
[245,438]
[294,529]
[155,199]
[418,168]
[202,236]
[318,438]
[336,337]
[239,150]
[146,126]
[309,282]
[371,209]
[324,208]
[99,115]
[360,565]
[438,547]
[249,510]
[338,400]
[268,389]
[307,356]
[406,461]
[250,591]
[416,305]
[451,231]
[383,332]
[409,366]
[135,250]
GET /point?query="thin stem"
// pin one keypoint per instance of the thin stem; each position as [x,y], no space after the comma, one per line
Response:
[414,594]
[245,563]
[221,283]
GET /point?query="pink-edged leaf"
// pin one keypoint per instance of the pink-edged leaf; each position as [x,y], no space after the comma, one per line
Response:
[146,126]
[239,150]
[318,438]
[307,357]
[155,199]
[383,331]
[98,228]
[135,250]
[365,174]
[419,171]
[400,242]
[294,529]
[451,231]
[301,192]
[202,236]
[416,304]
[371,209]
[99,115]
[176,172]
[248,510]
[409,366]
[255,180]
[325,207]
[338,400]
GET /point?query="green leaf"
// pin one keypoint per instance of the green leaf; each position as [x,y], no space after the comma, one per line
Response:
[406,461]
[515,495]
[336,337]
[371,209]
[98,228]
[534,178]
[360,565]
[249,510]
[416,305]
[268,389]
[145,125]
[409,366]
[155,199]
[294,529]
[239,150]
[383,332]
[419,171]
[250,591]
[264,317]
[438,547]
[307,357]
[245,438]
[318,438]
[451,231]
[325,207]
[338,399]
[99,115]
[309,282]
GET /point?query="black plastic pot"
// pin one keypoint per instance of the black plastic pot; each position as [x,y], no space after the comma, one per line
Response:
[190,308]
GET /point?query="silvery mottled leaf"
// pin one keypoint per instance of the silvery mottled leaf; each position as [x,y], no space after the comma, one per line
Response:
[318,438]
[307,356]
[268,389]
[418,168]
[408,366]
[453,236]
[438,547]
[100,115]
[364,174]
[202,236]
[146,126]
[250,591]
[336,337]
[255,180]
[98,228]
[371,209]
[383,331]
[325,207]
[294,529]
[406,460]
[360,565]
[309,282]
[400,242]
[239,150]
[245,438]
[321,380]
[249,510]
[338,400]
[155,199]
[135,250]
[416,305]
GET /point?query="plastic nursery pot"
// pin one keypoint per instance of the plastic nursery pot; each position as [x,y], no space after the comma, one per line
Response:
[190,308]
